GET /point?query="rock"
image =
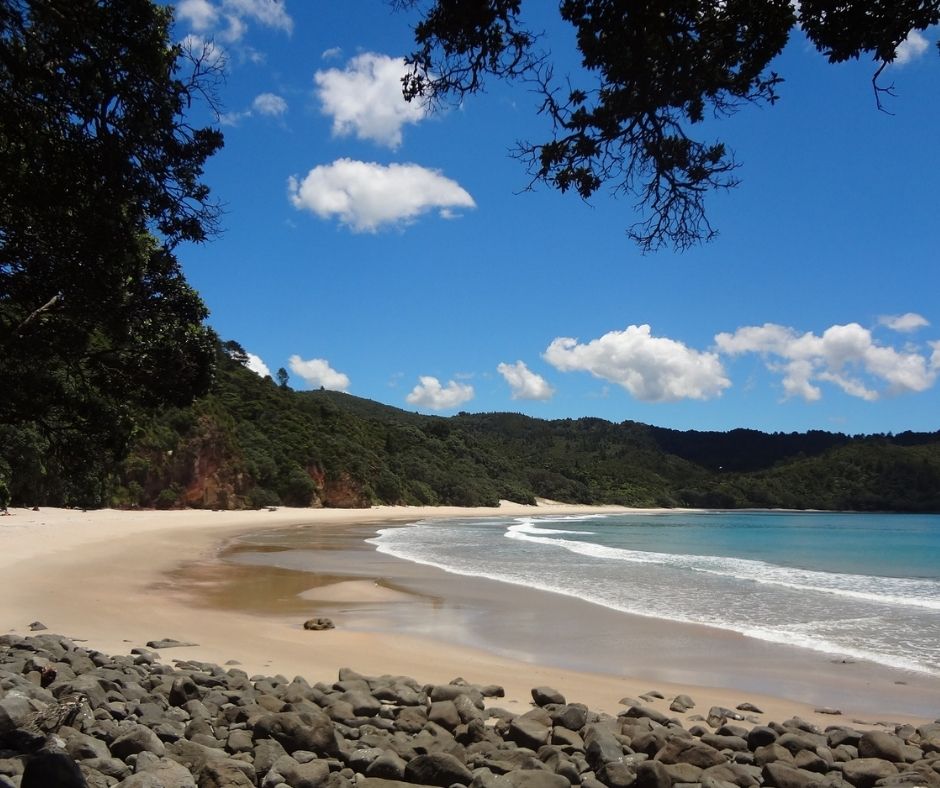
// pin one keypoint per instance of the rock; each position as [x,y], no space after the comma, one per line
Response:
[37,626]
[601,746]
[302,775]
[163,772]
[783,775]
[536,778]
[865,772]
[388,766]
[717,715]
[223,775]
[378,782]
[528,732]
[828,710]
[681,703]
[183,690]
[572,716]
[319,624]
[760,735]
[52,767]
[438,768]
[734,743]
[545,695]
[750,707]
[881,744]
[645,711]
[445,714]
[168,643]
[139,739]
[770,753]
[679,750]
[298,731]
[652,774]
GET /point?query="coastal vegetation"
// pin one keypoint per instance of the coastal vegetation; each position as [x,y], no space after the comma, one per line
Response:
[253,442]
[116,391]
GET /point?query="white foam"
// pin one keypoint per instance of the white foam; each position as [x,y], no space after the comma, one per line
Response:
[799,636]
[883,590]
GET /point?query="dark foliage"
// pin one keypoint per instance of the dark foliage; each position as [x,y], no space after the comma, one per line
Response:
[99,180]
[254,443]
[652,70]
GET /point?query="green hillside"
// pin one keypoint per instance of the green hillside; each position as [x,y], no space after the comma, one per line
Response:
[253,443]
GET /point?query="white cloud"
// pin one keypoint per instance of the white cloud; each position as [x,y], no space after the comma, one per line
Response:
[845,355]
[365,99]
[269,104]
[525,384]
[270,13]
[911,48]
[331,53]
[365,195]
[654,369]
[199,14]
[429,393]
[256,365]
[227,18]
[935,355]
[909,321]
[317,372]
[204,49]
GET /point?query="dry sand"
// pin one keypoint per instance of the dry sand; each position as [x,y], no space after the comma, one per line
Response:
[119,579]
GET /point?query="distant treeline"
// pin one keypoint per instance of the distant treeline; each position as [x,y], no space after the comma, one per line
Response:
[253,442]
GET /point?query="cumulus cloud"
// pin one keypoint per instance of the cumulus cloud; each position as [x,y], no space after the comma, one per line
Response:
[269,104]
[227,19]
[365,99]
[523,383]
[911,48]
[365,195]
[201,15]
[430,394]
[844,355]
[909,321]
[256,365]
[653,369]
[317,372]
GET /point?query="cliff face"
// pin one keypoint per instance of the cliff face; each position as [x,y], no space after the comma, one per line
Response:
[339,492]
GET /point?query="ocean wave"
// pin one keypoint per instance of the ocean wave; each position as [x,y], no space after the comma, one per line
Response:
[883,590]
[394,542]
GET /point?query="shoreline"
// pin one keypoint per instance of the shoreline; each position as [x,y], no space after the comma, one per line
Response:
[106,578]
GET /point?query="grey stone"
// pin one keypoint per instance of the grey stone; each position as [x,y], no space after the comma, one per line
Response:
[545,695]
[388,765]
[652,774]
[881,744]
[528,732]
[681,703]
[52,767]
[865,772]
[536,778]
[440,768]
[168,643]
[138,739]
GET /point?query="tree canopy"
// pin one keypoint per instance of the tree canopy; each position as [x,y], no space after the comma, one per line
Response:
[100,179]
[653,70]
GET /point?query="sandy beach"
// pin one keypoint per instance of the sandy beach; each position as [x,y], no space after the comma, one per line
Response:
[116,580]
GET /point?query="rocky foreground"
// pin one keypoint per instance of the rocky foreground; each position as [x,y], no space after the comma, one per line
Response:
[71,717]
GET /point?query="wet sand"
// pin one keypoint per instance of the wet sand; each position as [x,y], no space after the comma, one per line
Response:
[341,576]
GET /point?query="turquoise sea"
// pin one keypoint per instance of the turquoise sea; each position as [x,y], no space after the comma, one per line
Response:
[858,586]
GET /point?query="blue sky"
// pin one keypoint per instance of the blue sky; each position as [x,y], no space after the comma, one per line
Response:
[372,248]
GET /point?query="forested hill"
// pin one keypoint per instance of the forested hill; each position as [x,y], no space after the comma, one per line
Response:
[253,443]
